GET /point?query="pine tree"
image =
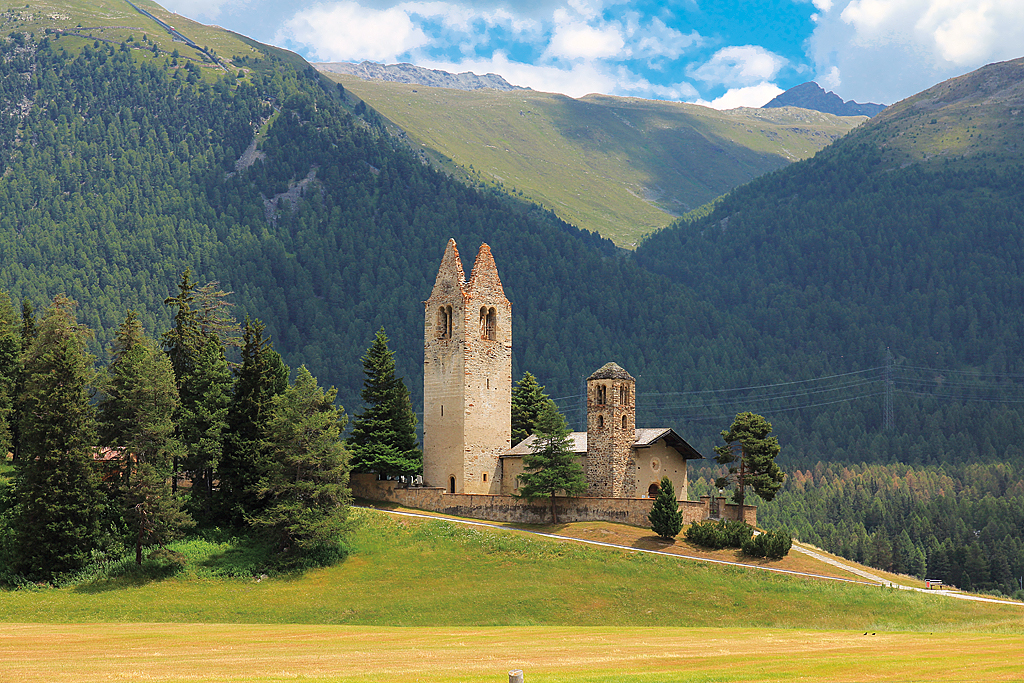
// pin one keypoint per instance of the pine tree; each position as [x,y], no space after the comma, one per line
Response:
[665,517]
[136,418]
[552,467]
[383,436]
[58,497]
[245,462]
[306,489]
[528,399]
[747,440]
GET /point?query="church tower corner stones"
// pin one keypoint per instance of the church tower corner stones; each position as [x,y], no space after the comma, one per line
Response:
[611,432]
[467,376]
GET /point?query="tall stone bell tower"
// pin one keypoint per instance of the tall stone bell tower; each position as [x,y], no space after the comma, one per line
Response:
[467,376]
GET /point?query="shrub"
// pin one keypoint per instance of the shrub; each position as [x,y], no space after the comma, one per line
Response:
[771,544]
[721,534]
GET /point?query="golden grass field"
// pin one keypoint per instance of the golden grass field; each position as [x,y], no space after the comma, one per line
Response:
[238,652]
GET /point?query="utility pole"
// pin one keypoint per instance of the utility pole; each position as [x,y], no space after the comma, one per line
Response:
[887,414]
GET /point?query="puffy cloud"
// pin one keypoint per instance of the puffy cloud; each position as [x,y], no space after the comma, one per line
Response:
[346,31]
[575,39]
[749,96]
[657,41]
[929,40]
[740,66]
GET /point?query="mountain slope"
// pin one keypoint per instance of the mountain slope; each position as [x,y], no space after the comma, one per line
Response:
[886,240]
[619,166]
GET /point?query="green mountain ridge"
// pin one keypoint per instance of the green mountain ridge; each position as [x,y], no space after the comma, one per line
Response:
[621,167]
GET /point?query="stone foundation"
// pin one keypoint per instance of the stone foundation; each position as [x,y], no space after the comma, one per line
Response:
[499,508]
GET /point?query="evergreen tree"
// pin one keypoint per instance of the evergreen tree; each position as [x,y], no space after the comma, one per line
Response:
[245,463]
[552,467]
[10,369]
[665,517]
[383,436]
[528,399]
[59,501]
[747,440]
[204,386]
[202,424]
[136,417]
[28,334]
[306,490]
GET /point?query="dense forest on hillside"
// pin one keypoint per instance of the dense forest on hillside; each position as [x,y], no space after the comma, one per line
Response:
[121,172]
[835,261]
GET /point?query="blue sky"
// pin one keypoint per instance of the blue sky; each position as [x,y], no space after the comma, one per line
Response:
[722,53]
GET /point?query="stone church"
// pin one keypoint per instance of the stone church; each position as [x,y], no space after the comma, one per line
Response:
[467,401]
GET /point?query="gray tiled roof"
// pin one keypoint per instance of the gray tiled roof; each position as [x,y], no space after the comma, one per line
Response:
[644,437]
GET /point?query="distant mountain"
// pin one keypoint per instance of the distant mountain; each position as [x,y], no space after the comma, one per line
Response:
[619,166]
[813,96]
[417,75]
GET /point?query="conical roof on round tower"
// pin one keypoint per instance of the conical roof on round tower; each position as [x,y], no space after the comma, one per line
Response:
[611,371]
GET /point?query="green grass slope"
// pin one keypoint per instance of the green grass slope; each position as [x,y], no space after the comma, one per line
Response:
[436,573]
[621,167]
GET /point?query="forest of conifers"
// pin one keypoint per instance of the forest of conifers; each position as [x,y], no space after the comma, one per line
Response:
[119,172]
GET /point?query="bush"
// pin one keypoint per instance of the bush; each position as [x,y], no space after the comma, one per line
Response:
[771,544]
[721,534]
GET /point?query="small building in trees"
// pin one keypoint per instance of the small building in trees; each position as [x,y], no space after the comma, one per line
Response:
[467,401]
[618,459]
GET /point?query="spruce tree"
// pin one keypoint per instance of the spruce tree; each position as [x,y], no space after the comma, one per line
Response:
[665,517]
[59,501]
[136,417]
[245,462]
[306,489]
[528,399]
[204,382]
[552,467]
[383,436]
[10,369]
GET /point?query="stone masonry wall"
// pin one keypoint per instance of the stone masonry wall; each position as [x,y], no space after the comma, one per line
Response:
[498,508]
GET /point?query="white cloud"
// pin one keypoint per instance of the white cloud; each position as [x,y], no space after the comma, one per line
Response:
[749,96]
[740,66]
[658,41]
[927,40]
[831,80]
[574,39]
[346,31]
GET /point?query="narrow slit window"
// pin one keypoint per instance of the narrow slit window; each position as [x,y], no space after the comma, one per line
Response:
[624,422]
[602,395]
[444,322]
[600,421]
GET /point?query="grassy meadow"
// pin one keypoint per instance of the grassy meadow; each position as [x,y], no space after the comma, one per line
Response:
[622,167]
[421,599]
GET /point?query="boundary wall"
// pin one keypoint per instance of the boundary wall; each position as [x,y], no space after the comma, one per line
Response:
[504,508]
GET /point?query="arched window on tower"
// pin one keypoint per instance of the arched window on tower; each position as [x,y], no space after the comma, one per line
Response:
[488,323]
[602,394]
[623,394]
[444,322]
[600,421]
